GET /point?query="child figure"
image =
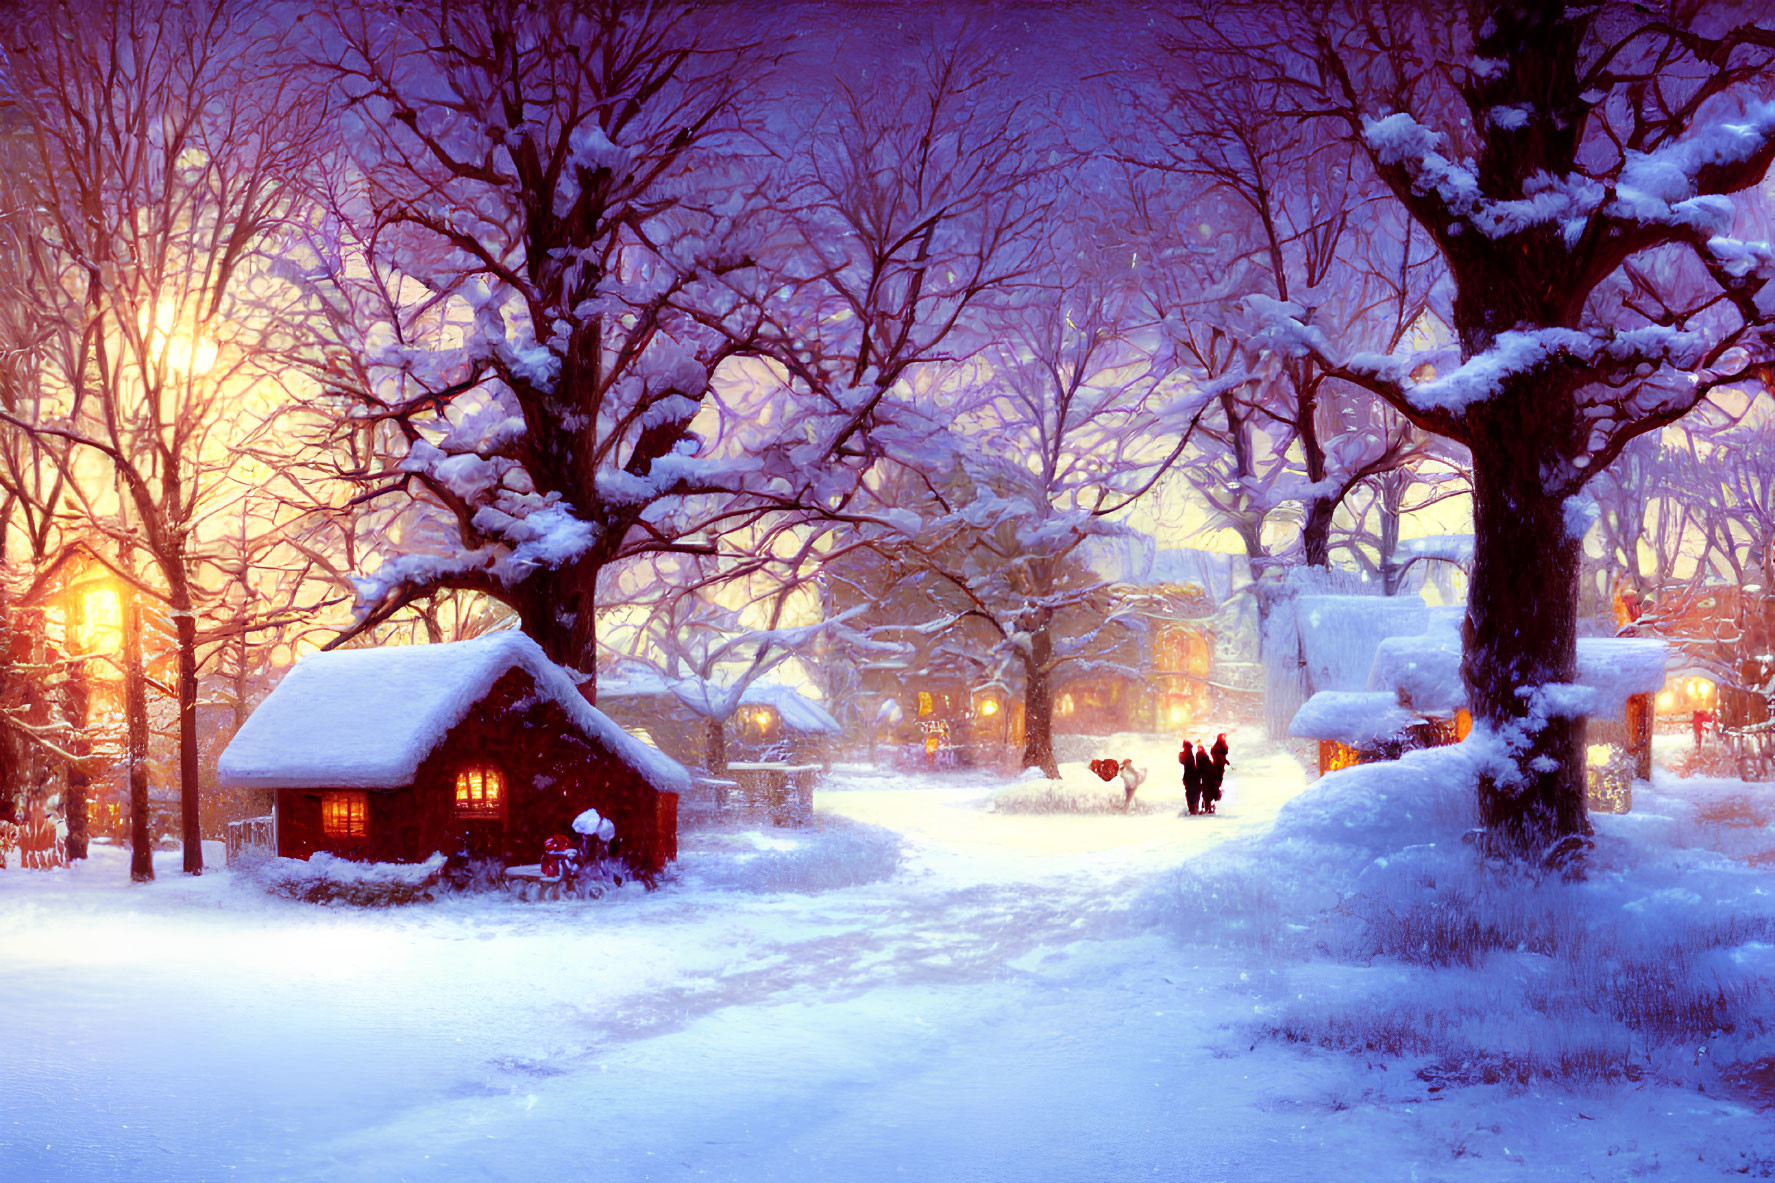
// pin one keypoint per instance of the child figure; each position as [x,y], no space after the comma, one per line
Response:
[1132,779]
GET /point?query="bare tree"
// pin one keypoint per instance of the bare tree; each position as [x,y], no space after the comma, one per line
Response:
[1068,420]
[166,151]
[525,274]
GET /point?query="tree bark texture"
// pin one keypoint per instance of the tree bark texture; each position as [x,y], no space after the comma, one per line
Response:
[558,610]
[1038,705]
[1521,632]
[74,810]
[135,709]
[715,747]
[1315,532]
[190,827]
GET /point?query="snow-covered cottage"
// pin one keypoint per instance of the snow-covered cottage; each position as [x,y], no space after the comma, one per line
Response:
[1414,698]
[772,715]
[397,752]
[769,720]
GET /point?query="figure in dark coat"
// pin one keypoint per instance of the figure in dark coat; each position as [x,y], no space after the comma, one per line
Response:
[1192,777]
[1205,773]
[1216,771]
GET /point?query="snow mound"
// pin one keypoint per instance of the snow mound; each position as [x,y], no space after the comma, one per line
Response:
[1037,796]
[367,718]
[835,854]
[1379,930]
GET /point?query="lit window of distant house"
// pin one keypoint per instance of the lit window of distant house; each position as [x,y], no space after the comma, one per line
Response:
[480,793]
[345,815]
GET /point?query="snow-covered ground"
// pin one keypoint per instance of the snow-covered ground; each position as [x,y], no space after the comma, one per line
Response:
[917,988]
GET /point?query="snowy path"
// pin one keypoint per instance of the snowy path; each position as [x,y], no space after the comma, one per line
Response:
[997,1009]
[196,1029]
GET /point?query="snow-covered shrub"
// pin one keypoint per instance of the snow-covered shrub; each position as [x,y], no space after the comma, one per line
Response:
[597,876]
[1070,796]
[325,878]
[473,874]
[833,854]
[1389,934]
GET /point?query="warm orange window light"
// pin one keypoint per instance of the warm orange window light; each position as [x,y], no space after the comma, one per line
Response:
[345,815]
[101,626]
[1334,755]
[480,793]
[925,705]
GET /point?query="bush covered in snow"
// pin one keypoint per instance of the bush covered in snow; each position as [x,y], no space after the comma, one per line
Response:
[324,878]
[832,854]
[1387,933]
[1071,795]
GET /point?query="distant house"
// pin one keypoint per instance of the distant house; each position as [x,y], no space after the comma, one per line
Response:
[393,753]
[1722,638]
[775,717]
[1414,698]
[769,717]
[1167,671]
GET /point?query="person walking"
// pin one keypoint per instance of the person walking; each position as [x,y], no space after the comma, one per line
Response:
[1192,777]
[1216,774]
[1132,779]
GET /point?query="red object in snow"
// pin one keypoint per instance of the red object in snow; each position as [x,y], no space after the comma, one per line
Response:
[559,857]
[1107,769]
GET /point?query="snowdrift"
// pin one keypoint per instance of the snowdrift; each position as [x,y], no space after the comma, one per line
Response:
[1379,930]
[1073,793]
[829,855]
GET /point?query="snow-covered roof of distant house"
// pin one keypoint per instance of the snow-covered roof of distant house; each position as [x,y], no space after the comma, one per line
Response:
[797,711]
[1427,668]
[1617,668]
[631,680]
[1351,717]
[1340,634]
[367,718]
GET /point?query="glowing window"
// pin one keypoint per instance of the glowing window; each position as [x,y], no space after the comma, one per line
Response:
[480,793]
[925,705]
[1334,755]
[345,815]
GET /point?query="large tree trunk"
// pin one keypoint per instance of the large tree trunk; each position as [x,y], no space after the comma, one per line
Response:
[1315,532]
[190,823]
[1038,705]
[135,710]
[715,747]
[558,610]
[1521,632]
[1391,502]
[74,810]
